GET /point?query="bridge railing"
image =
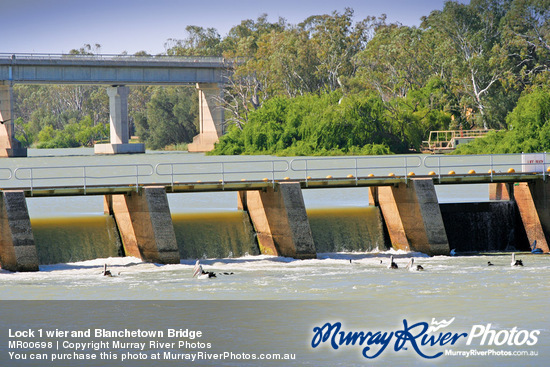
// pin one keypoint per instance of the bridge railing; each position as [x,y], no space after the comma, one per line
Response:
[356,166]
[5,174]
[84,176]
[222,171]
[112,57]
[484,163]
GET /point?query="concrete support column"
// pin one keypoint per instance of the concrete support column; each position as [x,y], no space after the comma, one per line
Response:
[145,225]
[17,247]
[118,106]
[211,118]
[280,220]
[413,217]
[119,128]
[533,201]
[9,146]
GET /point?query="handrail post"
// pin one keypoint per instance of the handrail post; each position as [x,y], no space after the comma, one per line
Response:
[137,178]
[273,173]
[356,172]
[406,175]
[32,183]
[172,175]
[307,181]
[439,168]
[84,178]
[223,174]
[544,167]
[491,168]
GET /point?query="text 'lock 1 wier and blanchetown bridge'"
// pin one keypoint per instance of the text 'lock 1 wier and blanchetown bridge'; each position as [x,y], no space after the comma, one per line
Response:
[116,72]
[270,191]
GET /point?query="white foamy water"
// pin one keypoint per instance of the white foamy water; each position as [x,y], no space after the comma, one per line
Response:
[464,287]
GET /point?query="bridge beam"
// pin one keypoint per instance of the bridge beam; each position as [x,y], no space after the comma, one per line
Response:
[9,146]
[412,216]
[119,126]
[280,220]
[145,225]
[211,118]
[17,247]
[533,201]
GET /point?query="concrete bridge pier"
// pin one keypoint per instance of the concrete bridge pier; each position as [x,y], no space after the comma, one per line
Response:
[119,126]
[211,118]
[533,202]
[145,225]
[280,220]
[412,216]
[9,146]
[17,247]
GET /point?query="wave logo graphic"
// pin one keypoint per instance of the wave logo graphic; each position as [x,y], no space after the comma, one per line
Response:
[439,325]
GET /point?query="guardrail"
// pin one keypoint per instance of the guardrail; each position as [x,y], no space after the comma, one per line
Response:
[227,170]
[360,166]
[490,163]
[111,57]
[83,174]
[3,171]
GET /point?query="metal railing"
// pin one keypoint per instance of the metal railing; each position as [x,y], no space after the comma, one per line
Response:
[5,172]
[489,163]
[111,57]
[223,171]
[83,175]
[360,166]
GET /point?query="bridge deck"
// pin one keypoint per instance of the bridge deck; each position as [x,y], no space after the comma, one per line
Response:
[111,69]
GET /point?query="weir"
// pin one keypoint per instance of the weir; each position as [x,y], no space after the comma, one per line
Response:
[276,217]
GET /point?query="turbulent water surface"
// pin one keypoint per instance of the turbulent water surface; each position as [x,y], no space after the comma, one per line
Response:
[348,281]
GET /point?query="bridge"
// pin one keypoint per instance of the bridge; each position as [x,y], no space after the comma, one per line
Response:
[270,191]
[116,72]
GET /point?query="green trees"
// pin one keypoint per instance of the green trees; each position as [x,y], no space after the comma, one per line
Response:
[170,117]
[310,125]
[332,85]
[529,125]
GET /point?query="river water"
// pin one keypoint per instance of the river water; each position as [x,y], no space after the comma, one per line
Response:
[267,304]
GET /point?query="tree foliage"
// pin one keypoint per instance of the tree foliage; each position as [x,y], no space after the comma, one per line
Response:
[332,84]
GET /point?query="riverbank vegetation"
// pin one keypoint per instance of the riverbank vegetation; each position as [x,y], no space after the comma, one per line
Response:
[333,84]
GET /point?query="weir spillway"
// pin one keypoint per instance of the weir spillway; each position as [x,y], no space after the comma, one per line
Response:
[270,193]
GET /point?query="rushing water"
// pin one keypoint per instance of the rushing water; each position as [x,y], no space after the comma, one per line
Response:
[362,293]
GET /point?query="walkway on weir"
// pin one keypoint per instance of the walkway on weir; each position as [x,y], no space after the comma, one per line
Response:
[270,191]
[236,175]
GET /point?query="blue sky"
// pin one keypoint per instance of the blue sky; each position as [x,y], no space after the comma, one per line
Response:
[57,26]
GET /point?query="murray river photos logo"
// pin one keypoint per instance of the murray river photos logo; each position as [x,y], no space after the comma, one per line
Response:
[427,340]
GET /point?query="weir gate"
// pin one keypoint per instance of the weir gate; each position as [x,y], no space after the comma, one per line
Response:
[270,191]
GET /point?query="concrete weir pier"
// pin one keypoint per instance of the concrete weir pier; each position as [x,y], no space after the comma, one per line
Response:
[145,225]
[533,201]
[17,247]
[280,220]
[412,216]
